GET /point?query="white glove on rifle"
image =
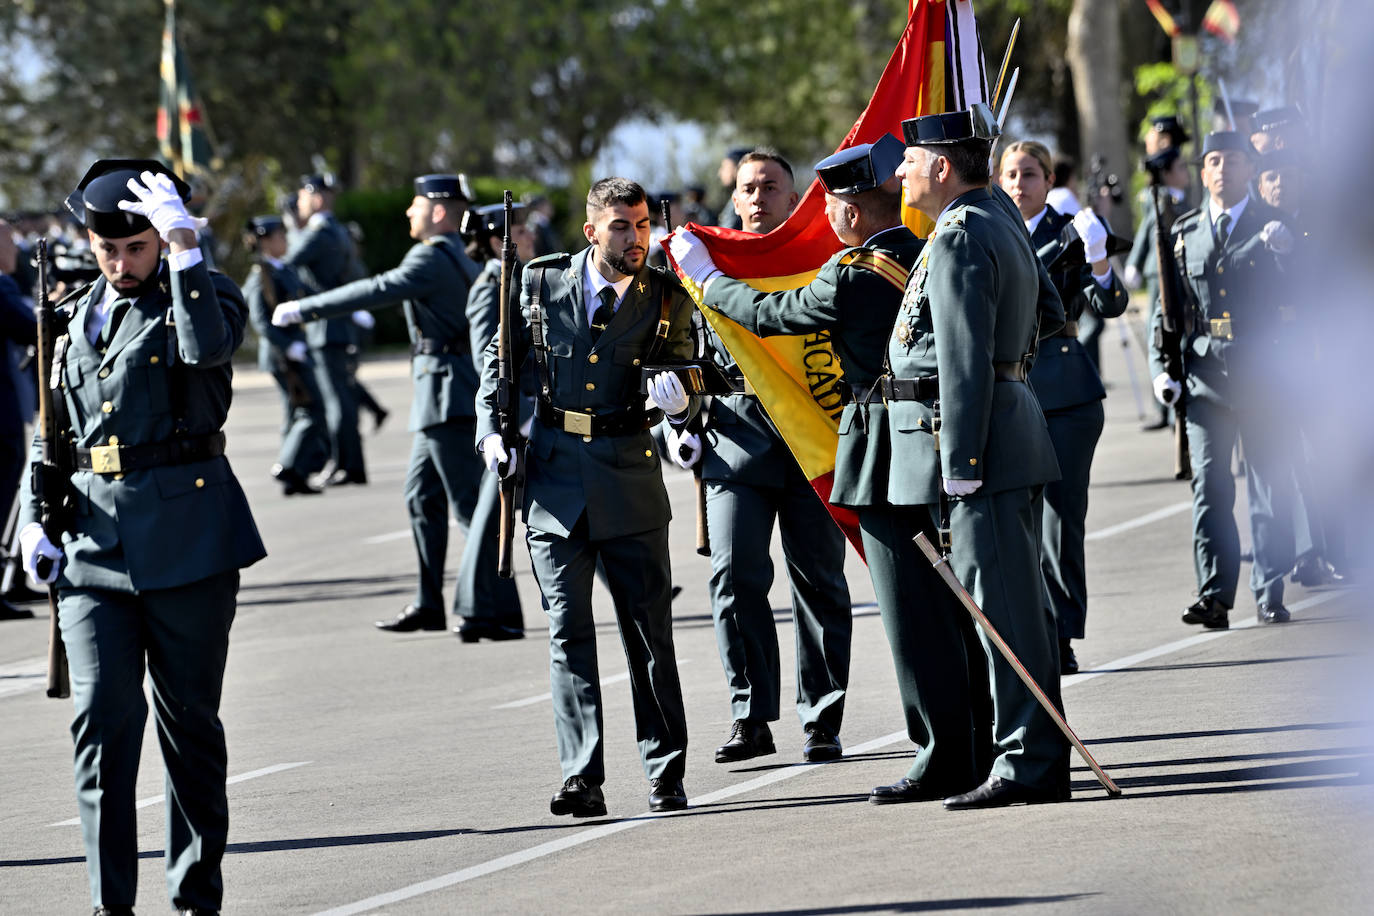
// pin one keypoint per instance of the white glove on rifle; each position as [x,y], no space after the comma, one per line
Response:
[286,314]
[363,319]
[1133,278]
[35,546]
[1093,234]
[497,459]
[667,394]
[1276,237]
[684,448]
[160,203]
[296,351]
[691,255]
[1167,390]
[961,487]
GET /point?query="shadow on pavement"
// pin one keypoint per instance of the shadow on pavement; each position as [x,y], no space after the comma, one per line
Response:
[925,906]
[1222,732]
[1232,663]
[1345,771]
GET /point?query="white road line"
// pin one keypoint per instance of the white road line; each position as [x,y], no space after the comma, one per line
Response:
[592,834]
[1138,522]
[545,697]
[242,777]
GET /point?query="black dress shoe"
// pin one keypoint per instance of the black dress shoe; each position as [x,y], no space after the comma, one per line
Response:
[20,593]
[414,618]
[293,482]
[10,612]
[903,790]
[747,740]
[342,478]
[473,629]
[197,911]
[1272,613]
[821,745]
[113,911]
[998,793]
[578,799]
[1068,662]
[1209,612]
[667,795]
[378,418]
[1314,571]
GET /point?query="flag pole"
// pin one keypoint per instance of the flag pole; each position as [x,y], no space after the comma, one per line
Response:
[1006,62]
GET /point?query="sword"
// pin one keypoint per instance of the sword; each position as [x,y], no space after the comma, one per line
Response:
[1006,62]
[942,569]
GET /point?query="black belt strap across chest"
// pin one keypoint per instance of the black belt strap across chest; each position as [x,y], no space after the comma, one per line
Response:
[120,459]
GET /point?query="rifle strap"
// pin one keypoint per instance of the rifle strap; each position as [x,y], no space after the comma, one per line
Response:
[541,356]
[665,315]
[62,419]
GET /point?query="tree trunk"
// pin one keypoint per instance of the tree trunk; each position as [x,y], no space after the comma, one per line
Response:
[1094,56]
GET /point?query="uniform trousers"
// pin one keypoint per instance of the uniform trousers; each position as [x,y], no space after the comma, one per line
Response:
[183,636]
[640,581]
[305,432]
[340,407]
[740,517]
[1074,432]
[481,594]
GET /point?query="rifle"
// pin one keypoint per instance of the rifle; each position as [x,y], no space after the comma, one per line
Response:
[297,391]
[1172,324]
[508,406]
[693,384]
[50,480]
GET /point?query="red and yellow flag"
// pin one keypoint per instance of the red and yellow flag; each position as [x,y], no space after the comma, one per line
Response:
[797,378]
[1223,19]
[183,141]
[1166,21]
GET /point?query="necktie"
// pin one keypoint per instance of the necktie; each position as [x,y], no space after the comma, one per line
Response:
[117,311]
[604,312]
[1223,229]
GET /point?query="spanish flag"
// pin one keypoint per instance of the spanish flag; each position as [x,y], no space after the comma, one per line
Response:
[182,137]
[1222,19]
[798,379]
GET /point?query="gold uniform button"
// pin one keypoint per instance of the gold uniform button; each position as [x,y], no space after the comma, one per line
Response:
[636,361]
[105,373]
[648,453]
[195,294]
[1222,294]
[153,360]
[119,477]
[973,461]
[586,438]
[1064,349]
[1221,269]
[107,407]
[200,482]
[593,358]
[114,440]
[591,386]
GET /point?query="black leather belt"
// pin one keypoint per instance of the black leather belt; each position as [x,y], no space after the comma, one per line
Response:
[909,389]
[1070,329]
[582,423]
[742,386]
[433,346]
[1010,372]
[120,459]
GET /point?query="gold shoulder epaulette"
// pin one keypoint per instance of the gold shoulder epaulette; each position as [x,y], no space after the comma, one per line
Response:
[878,262]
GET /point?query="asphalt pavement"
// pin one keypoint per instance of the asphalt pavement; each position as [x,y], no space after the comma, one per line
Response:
[389,773]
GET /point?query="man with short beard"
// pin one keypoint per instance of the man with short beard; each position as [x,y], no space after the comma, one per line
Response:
[594,485]
[147,565]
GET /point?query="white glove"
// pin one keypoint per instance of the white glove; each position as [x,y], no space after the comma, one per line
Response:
[684,448]
[161,204]
[1133,278]
[296,351]
[286,314]
[363,319]
[666,393]
[1093,234]
[35,546]
[961,487]
[496,457]
[1167,390]
[691,255]
[1276,237]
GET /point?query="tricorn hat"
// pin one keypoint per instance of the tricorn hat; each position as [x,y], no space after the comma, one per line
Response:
[1273,118]
[489,221]
[1225,141]
[263,226]
[975,123]
[860,168]
[95,202]
[319,183]
[1169,124]
[443,187]
[1163,160]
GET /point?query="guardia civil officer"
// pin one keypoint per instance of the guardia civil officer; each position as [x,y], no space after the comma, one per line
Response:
[1064,378]
[284,353]
[1230,253]
[968,325]
[752,481]
[855,298]
[323,254]
[147,569]
[594,486]
[432,284]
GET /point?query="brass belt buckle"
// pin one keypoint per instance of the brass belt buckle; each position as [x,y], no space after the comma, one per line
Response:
[946,539]
[1221,327]
[105,460]
[577,422]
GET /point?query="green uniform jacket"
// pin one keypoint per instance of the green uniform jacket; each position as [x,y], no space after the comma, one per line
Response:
[855,299]
[272,340]
[973,300]
[1244,283]
[1063,374]
[165,526]
[615,480]
[432,281]
[322,254]
[484,320]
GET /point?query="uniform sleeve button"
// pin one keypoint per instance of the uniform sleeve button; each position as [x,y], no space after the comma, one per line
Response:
[200,482]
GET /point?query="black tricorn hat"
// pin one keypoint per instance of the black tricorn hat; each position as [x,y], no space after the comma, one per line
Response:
[489,221]
[443,187]
[975,123]
[861,168]
[1163,160]
[1226,141]
[1060,254]
[1241,108]
[1273,118]
[263,226]
[319,183]
[95,202]
[1169,124]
